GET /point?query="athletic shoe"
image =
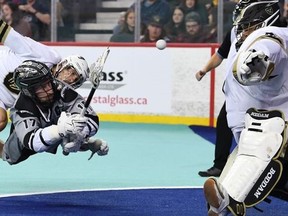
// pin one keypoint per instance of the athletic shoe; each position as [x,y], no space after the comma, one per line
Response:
[213,171]
[215,198]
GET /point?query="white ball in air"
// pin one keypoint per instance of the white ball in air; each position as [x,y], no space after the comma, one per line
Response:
[161,44]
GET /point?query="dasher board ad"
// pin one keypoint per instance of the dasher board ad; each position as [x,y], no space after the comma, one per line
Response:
[135,80]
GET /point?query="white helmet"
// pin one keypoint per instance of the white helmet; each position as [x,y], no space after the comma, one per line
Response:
[79,64]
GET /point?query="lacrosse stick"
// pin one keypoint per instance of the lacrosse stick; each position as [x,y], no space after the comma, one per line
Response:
[96,75]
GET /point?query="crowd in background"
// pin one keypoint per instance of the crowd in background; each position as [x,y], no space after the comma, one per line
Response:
[32,18]
[187,21]
[180,21]
[29,17]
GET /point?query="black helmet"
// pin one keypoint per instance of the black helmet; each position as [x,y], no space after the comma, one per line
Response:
[255,14]
[238,8]
[32,75]
[266,12]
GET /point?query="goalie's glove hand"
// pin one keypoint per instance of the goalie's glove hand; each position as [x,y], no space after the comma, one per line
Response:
[71,124]
[98,146]
[252,67]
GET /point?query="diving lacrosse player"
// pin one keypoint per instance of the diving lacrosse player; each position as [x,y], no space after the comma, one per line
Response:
[256,92]
[73,69]
[46,112]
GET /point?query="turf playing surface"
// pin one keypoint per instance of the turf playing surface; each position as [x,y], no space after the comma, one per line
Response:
[150,170]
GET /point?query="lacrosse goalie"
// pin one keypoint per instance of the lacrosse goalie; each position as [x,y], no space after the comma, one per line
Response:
[47,112]
[256,91]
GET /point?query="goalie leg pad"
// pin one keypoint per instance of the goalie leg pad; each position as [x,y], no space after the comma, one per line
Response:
[259,142]
[265,183]
[281,189]
[236,208]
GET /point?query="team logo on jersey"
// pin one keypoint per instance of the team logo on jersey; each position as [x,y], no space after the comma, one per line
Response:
[269,10]
[10,84]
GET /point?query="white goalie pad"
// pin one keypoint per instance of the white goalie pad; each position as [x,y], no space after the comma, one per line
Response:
[259,142]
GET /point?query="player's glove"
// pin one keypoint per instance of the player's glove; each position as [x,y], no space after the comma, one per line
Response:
[71,124]
[253,67]
[98,146]
[104,148]
[72,143]
[73,146]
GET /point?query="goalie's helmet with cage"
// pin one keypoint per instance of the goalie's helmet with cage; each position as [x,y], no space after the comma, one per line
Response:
[78,63]
[34,79]
[238,8]
[255,14]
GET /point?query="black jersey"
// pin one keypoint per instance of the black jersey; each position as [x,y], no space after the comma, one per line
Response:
[29,120]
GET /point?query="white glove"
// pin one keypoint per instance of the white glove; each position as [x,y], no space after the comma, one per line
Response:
[98,146]
[71,146]
[253,67]
[71,124]
[72,143]
[104,148]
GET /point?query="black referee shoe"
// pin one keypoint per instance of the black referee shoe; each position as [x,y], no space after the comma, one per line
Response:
[213,171]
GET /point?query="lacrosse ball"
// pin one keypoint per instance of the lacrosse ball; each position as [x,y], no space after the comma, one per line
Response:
[161,44]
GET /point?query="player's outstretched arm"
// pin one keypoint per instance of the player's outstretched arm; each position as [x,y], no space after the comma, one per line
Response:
[213,62]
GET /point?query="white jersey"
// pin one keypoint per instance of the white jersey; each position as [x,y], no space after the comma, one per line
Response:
[269,94]
[233,34]
[18,49]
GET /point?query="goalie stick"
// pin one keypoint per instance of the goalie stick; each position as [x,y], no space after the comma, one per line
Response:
[96,75]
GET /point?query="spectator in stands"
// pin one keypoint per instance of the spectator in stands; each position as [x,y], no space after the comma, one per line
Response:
[14,17]
[120,23]
[195,6]
[154,31]
[175,29]
[38,15]
[60,13]
[67,19]
[150,8]
[228,8]
[173,3]
[87,10]
[1,4]
[284,13]
[126,33]
[195,31]
[210,10]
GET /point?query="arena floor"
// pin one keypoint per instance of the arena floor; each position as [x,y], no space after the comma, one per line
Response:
[151,170]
